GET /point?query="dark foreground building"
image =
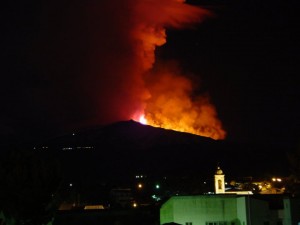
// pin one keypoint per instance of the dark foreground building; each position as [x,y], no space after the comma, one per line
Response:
[137,216]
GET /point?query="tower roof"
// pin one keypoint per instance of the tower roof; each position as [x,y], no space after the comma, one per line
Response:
[219,171]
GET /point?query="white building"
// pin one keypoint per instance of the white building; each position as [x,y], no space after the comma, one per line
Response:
[230,208]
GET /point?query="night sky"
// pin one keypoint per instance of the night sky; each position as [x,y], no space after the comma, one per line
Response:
[59,60]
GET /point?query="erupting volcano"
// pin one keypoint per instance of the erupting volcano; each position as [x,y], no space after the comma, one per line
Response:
[169,104]
[129,82]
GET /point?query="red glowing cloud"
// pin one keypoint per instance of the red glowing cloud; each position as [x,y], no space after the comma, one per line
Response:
[169,104]
[105,49]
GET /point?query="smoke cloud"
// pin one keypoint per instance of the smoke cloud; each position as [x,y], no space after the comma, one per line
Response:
[97,62]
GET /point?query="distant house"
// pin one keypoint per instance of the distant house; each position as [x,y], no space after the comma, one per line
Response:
[122,197]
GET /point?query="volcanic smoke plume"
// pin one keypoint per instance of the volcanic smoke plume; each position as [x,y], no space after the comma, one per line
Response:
[105,52]
[169,104]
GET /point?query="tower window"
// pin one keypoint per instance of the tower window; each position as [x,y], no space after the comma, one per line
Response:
[219,184]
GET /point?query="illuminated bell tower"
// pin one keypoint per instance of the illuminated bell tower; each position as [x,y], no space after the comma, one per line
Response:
[219,181]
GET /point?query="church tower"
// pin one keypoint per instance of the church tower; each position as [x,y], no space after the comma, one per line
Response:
[219,181]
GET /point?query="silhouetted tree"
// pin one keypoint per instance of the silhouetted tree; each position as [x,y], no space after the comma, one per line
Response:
[29,184]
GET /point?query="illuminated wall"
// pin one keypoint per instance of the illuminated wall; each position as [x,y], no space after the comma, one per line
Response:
[291,212]
[200,210]
[218,210]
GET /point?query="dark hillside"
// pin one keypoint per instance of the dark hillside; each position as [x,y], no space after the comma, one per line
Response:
[128,147]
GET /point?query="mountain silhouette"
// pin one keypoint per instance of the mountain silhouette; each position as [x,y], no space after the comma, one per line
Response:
[125,148]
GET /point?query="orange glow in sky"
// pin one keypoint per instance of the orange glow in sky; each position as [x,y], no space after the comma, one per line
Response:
[169,103]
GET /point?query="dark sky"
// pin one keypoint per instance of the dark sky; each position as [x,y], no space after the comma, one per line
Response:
[246,57]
